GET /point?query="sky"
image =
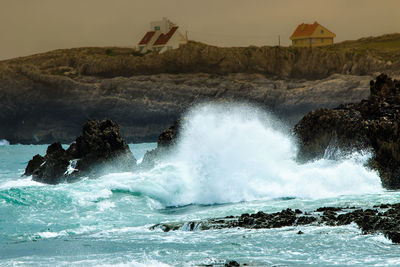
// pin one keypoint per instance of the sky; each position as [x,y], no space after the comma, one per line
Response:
[34,26]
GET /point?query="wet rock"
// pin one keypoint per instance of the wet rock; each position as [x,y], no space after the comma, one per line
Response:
[232,264]
[371,124]
[323,209]
[166,140]
[370,221]
[33,164]
[168,136]
[303,220]
[100,147]
[393,235]
[55,165]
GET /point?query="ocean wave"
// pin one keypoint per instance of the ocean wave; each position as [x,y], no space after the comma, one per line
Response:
[239,153]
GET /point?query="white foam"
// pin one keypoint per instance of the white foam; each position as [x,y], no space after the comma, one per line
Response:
[239,153]
[19,183]
[48,234]
[4,142]
[380,238]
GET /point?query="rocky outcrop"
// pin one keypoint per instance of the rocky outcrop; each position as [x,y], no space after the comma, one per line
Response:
[100,147]
[372,124]
[165,141]
[384,218]
[168,137]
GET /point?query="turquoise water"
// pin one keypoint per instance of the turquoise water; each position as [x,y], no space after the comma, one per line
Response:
[106,221]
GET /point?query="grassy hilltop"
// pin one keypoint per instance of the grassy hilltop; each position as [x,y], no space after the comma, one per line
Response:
[363,56]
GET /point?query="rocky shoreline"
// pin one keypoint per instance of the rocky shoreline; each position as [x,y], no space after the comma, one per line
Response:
[382,218]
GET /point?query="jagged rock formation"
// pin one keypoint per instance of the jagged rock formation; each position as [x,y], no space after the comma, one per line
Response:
[165,141]
[100,146]
[372,124]
[47,97]
[383,218]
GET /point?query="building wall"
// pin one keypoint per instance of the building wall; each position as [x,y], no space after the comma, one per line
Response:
[322,32]
[161,25]
[320,37]
[176,40]
[312,42]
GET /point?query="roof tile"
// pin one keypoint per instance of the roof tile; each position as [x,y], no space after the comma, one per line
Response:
[164,38]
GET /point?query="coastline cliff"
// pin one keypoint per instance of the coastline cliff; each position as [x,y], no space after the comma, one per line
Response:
[46,97]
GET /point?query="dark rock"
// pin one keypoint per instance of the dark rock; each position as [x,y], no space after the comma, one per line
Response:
[334,209]
[232,264]
[300,233]
[166,140]
[370,221]
[168,137]
[54,168]
[303,220]
[100,147]
[33,164]
[393,235]
[371,124]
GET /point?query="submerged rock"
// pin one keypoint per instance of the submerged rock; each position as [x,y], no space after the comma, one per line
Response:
[372,124]
[100,146]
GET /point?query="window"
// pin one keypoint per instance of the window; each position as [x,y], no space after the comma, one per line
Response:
[314,40]
[322,40]
[295,41]
[322,31]
[157,28]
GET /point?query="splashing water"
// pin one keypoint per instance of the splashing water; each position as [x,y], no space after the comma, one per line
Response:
[225,154]
[239,153]
[4,142]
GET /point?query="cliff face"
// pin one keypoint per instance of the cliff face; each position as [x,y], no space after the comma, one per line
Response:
[46,97]
[45,111]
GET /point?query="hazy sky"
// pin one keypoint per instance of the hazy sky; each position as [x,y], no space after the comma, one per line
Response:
[32,26]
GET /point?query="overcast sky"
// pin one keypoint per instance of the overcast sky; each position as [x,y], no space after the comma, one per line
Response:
[33,26]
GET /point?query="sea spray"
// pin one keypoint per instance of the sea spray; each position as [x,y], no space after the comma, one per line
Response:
[4,142]
[233,153]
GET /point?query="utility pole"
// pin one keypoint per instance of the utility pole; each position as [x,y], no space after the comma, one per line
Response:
[279,40]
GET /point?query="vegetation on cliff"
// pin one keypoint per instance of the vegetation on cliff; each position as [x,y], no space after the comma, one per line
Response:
[364,56]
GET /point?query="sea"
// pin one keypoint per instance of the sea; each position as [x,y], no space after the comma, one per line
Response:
[228,160]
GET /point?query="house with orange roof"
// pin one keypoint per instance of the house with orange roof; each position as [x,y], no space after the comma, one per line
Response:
[163,36]
[311,35]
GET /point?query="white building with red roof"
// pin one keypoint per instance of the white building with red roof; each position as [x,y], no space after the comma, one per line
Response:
[164,35]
